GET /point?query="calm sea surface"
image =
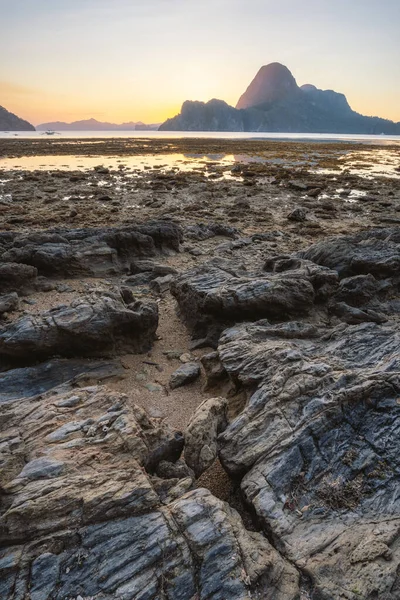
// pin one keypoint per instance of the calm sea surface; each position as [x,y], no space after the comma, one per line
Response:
[317,137]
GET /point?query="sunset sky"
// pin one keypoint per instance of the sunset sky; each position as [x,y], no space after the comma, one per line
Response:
[122,60]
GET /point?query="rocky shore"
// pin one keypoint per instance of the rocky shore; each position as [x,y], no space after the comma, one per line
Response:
[199,371]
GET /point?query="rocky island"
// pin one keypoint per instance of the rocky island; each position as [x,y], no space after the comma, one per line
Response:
[274,102]
[10,122]
[200,370]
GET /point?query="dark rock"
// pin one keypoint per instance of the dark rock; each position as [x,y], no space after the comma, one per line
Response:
[203,231]
[185,374]
[99,327]
[375,252]
[16,277]
[9,302]
[97,252]
[353,315]
[298,214]
[358,290]
[209,295]
[27,382]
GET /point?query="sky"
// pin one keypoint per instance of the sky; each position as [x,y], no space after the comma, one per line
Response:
[123,60]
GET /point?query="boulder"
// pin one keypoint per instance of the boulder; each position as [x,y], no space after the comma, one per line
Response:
[16,277]
[374,251]
[210,295]
[185,374]
[208,421]
[87,327]
[9,302]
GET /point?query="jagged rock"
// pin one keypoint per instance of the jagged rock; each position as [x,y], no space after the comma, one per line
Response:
[208,421]
[204,231]
[9,302]
[209,295]
[298,214]
[185,374]
[160,285]
[317,445]
[148,266]
[352,315]
[358,290]
[375,252]
[80,517]
[213,368]
[88,327]
[98,252]
[15,277]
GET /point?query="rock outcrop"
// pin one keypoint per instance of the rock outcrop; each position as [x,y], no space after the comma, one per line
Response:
[88,327]
[213,296]
[317,443]
[315,447]
[69,529]
[83,252]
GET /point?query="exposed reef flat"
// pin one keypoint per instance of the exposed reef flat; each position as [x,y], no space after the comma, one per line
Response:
[200,377]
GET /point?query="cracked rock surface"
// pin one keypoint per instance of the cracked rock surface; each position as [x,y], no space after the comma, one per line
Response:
[82,516]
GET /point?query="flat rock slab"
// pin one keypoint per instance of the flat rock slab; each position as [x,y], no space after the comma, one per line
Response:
[28,382]
[87,327]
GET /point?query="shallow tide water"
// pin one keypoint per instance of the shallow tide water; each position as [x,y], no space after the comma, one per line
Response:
[222,135]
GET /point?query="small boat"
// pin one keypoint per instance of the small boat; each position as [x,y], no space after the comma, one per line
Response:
[50,132]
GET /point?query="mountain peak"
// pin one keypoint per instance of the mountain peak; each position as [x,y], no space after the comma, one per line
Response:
[273,82]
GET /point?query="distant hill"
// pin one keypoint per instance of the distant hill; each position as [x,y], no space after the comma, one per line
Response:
[274,102]
[10,122]
[94,125]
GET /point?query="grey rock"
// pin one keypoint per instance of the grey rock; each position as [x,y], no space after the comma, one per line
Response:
[27,382]
[185,374]
[209,419]
[100,327]
[9,302]
[298,214]
[42,468]
[209,295]
[16,277]
[375,252]
[316,444]
[98,252]
[99,528]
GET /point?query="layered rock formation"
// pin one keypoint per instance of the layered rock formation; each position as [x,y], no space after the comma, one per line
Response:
[315,446]
[100,500]
[274,102]
[81,516]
